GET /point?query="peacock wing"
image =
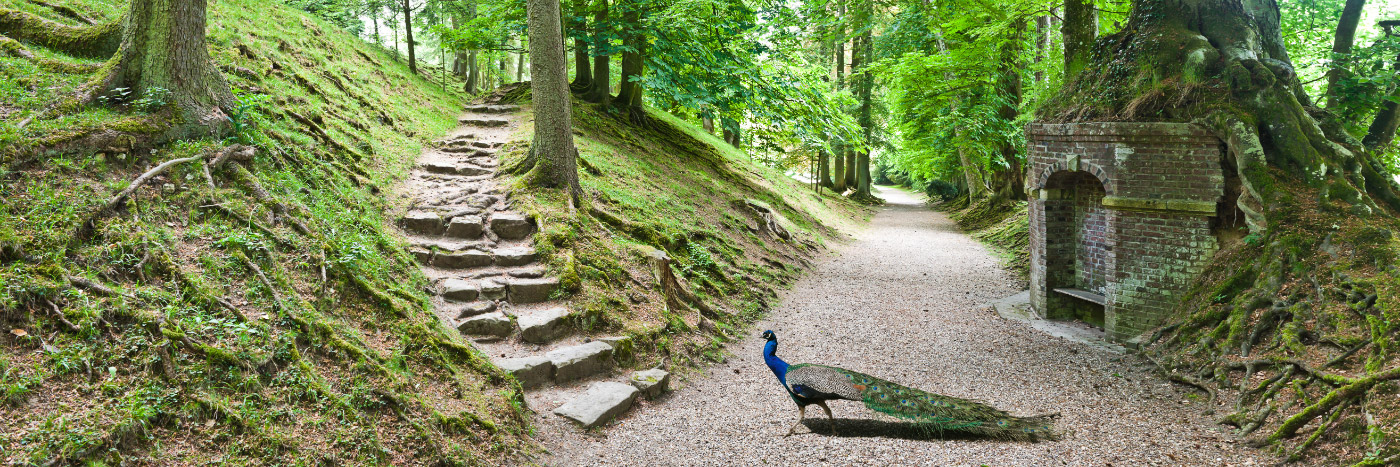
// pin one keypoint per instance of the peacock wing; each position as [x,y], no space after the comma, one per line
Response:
[828,381]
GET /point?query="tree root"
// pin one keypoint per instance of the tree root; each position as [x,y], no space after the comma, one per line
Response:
[225,210]
[57,314]
[1184,379]
[1336,397]
[65,11]
[271,289]
[99,41]
[86,228]
[242,175]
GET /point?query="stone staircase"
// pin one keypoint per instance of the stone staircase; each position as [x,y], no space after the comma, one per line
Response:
[490,284]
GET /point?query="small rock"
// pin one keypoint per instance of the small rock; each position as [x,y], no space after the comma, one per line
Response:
[543,326]
[421,255]
[493,289]
[532,371]
[439,167]
[490,324]
[651,382]
[602,402]
[511,226]
[580,361]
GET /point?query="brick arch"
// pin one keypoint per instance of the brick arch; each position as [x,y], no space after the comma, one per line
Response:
[1084,166]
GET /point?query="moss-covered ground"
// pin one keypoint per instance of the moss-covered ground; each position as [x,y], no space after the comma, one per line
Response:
[270,318]
[669,186]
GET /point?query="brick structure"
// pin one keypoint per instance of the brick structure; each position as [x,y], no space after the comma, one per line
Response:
[1121,218]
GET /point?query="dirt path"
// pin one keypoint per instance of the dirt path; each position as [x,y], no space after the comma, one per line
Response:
[906,301]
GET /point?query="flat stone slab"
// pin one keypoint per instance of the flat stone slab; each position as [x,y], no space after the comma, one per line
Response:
[493,289]
[580,361]
[490,324]
[532,371]
[602,402]
[465,227]
[462,259]
[543,326]
[427,223]
[514,256]
[524,290]
[511,226]
[652,382]
[421,255]
[486,144]
[487,122]
[492,109]
[530,272]
[476,308]
[460,290]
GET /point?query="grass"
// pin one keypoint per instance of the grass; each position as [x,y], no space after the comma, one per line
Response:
[671,186]
[229,335]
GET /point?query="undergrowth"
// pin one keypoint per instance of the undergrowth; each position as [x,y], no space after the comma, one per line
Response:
[261,314]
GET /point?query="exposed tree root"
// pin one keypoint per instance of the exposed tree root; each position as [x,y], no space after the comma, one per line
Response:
[99,41]
[85,229]
[65,11]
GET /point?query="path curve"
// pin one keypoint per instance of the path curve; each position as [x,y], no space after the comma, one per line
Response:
[906,301]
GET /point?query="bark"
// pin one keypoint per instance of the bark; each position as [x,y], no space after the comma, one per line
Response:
[708,123]
[1080,29]
[1011,179]
[374,18]
[100,41]
[1042,43]
[583,74]
[164,48]
[629,96]
[553,157]
[1341,45]
[731,132]
[408,28]
[867,84]
[824,169]
[1382,131]
[838,184]
[520,63]
[601,92]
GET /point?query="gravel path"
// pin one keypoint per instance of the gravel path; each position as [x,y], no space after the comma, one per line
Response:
[906,301]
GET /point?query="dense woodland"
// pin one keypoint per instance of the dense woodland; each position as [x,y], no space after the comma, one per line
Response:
[1293,322]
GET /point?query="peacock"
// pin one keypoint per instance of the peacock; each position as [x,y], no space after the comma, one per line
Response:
[809,384]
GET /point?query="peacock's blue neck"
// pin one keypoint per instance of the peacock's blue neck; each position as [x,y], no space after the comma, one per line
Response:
[770,357]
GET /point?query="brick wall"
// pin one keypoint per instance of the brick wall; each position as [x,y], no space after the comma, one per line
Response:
[1120,209]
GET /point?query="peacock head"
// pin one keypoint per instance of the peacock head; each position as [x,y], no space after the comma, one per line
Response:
[768,335]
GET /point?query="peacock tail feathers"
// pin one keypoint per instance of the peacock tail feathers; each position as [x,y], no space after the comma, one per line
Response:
[935,411]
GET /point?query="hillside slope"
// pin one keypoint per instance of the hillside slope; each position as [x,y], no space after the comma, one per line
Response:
[260,314]
[668,186]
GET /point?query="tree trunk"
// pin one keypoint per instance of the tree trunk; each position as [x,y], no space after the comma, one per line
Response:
[1382,130]
[629,97]
[1341,46]
[520,62]
[601,91]
[1080,29]
[1042,44]
[824,169]
[408,29]
[1011,179]
[731,132]
[583,74]
[374,17]
[851,160]
[838,184]
[866,51]
[164,47]
[708,123]
[473,73]
[553,159]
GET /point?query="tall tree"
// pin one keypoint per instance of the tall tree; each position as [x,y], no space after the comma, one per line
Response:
[408,28]
[583,74]
[601,90]
[1341,47]
[163,47]
[1011,177]
[866,51]
[553,159]
[838,148]
[1080,28]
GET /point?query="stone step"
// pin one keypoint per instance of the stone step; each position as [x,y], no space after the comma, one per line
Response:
[543,326]
[470,151]
[487,144]
[580,361]
[423,222]
[651,383]
[532,372]
[492,109]
[486,122]
[602,402]
[524,290]
[514,256]
[461,259]
[468,310]
[458,140]
[468,227]
[489,324]
[511,225]
[455,169]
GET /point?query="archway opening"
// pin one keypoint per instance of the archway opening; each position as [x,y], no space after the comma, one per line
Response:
[1079,247]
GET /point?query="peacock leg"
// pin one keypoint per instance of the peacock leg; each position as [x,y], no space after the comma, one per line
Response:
[801,412]
[829,417]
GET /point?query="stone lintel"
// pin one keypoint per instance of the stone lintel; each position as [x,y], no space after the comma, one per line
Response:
[1167,205]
